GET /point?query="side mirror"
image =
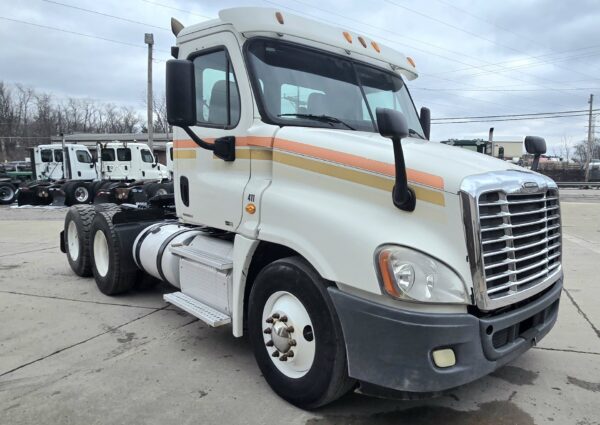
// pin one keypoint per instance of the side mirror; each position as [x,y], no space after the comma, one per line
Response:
[392,124]
[536,146]
[425,119]
[181,107]
[181,93]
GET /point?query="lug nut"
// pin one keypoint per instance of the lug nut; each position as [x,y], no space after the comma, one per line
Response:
[283,358]
[290,329]
[267,331]
[275,316]
[284,319]
[292,342]
[275,353]
[269,320]
[290,354]
[270,343]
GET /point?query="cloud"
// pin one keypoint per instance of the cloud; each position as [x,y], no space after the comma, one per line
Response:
[461,45]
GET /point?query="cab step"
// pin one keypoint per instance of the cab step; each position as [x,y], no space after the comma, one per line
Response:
[198,309]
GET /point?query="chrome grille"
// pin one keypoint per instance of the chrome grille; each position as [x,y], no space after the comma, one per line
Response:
[520,239]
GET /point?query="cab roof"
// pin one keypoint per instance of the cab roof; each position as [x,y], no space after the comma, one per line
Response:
[252,20]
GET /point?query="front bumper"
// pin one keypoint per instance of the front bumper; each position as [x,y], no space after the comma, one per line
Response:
[392,348]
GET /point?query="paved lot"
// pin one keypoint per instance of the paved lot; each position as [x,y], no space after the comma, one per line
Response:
[70,355]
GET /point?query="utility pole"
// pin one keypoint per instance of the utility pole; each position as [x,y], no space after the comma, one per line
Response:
[149,40]
[590,141]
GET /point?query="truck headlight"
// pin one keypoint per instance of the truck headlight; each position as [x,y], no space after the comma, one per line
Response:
[410,275]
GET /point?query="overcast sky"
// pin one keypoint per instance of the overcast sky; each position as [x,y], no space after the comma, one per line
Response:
[540,48]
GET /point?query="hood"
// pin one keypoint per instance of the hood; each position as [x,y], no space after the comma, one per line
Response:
[425,161]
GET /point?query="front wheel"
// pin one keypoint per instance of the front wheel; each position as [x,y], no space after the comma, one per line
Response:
[296,335]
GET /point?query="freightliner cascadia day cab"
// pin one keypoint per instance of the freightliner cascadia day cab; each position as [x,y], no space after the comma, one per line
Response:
[68,175]
[312,213]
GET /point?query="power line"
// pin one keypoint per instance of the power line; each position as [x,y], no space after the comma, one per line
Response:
[107,15]
[517,115]
[176,8]
[457,28]
[408,45]
[511,119]
[504,90]
[80,34]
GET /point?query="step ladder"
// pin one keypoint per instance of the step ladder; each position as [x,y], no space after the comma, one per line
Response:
[198,309]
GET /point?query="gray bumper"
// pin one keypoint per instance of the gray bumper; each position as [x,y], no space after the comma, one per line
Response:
[392,348]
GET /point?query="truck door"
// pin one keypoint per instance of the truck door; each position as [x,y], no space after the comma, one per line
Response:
[209,190]
[147,165]
[108,158]
[123,164]
[82,166]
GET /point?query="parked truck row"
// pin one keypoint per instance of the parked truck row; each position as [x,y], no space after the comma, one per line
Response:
[68,175]
[312,213]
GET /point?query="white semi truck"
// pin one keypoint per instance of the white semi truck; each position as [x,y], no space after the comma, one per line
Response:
[312,213]
[68,174]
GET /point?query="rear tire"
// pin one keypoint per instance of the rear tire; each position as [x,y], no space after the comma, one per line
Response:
[316,373]
[78,223]
[111,278]
[8,193]
[77,193]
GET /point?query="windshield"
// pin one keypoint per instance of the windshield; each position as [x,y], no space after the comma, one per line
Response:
[302,86]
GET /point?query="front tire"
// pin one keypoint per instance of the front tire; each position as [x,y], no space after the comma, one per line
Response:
[296,335]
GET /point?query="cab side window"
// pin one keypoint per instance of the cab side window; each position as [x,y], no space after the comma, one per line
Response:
[83,156]
[147,156]
[58,156]
[124,154]
[217,96]
[108,154]
[46,155]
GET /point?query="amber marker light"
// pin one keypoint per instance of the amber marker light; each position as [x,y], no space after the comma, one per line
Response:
[279,17]
[347,36]
[250,208]
[376,46]
[362,41]
[411,61]
[384,268]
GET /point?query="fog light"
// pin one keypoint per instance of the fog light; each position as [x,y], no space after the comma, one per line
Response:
[444,357]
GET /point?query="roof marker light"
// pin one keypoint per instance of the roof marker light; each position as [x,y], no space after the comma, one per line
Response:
[376,46]
[347,36]
[279,17]
[362,41]
[411,61]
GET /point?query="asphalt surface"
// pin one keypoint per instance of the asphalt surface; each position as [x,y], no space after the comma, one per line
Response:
[70,355]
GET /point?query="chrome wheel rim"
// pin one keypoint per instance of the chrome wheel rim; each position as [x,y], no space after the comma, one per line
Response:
[82,194]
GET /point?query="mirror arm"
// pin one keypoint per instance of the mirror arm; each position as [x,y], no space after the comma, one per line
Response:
[403,196]
[198,140]
[536,160]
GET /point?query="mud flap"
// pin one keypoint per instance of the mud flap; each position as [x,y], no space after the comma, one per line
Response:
[62,242]
[58,197]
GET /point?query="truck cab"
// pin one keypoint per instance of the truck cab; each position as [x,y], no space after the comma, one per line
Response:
[129,161]
[314,214]
[50,164]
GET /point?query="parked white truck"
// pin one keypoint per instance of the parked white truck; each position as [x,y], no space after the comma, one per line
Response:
[313,214]
[69,175]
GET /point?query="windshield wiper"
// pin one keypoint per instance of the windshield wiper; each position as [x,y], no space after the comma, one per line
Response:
[322,118]
[415,133]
